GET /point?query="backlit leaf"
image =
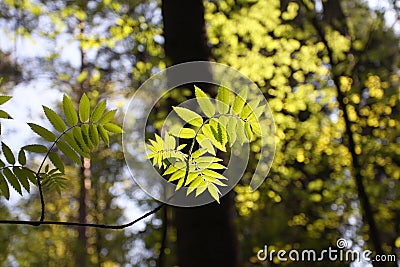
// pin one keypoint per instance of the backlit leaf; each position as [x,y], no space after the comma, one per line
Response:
[204,102]
[189,116]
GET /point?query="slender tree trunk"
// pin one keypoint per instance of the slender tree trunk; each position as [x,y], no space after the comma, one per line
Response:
[206,234]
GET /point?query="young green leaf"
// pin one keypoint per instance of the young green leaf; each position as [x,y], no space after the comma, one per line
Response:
[94,135]
[77,132]
[249,133]
[54,119]
[86,136]
[22,178]
[113,128]
[36,149]
[70,139]
[12,180]
[84,108]
[29,174]
[55,159]
[43,132]
[198,153]
[98,111]
[103,134]
[240,131]
[239,102]
[4,187]
[231,130]
[223,100]
[108,116]
[196,182]
[69,111]
[189,116]
[204,102]
[213,190]
[68,152]
[8,153]
[4,115]
[201,188]
[21,157]
[4,99]
[185,133]
[205,143]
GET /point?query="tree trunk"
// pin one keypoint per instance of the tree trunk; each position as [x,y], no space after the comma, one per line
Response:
[206,235]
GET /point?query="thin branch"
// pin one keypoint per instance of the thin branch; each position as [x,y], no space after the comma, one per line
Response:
[93,225]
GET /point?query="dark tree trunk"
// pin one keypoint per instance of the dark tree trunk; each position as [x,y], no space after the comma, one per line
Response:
[206,234]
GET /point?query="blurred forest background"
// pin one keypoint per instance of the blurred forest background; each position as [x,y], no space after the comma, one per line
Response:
[330,72]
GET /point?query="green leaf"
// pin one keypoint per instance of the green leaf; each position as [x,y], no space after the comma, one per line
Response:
[4,99]
[208,159]
[55,159]
[201,188]
[191,176]
[4,115]
[213,174]
[240,131]
[70,139]
[223,98]
[194,184]
[98,111]
[113,128]
[43,132]
[204,102]
[12,180]
[198,153]
[84,108]
[69,111]
[54,119]
[178,174]
[94,135]
[213,190]
[77,132]
[231,130]
[8,153]
[249,133]
[29,174]
[23,179]
[22,157]
[36,148]
[211,134]
[205,143]
[69,152]
[189,116]
[4,187]
[239,102]
[103,134]
[108,116]
[86,136]
[186,133]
